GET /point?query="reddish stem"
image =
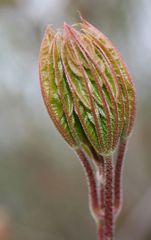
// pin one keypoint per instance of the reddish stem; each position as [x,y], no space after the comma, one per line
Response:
[100,179]
[100,231]
[118,177]
[91,183]
[101,182]
[108,198]
[102,208]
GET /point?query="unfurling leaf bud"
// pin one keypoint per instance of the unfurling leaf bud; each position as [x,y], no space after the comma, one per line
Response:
[87,88]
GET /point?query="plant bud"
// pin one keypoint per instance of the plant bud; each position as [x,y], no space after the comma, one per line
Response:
[87,88]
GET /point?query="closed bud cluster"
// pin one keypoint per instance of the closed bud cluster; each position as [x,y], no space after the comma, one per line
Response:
[87,88]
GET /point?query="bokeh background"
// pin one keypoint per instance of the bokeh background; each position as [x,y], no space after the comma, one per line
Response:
[43,193]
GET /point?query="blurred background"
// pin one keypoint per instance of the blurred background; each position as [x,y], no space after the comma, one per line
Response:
[43,192]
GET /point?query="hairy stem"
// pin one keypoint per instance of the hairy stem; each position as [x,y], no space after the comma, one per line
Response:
[100,182]
[100,231]
[94,207]
[100,179]
[108,198]
[118,177]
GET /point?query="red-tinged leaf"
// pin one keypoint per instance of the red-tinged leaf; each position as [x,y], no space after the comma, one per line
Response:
[87,88]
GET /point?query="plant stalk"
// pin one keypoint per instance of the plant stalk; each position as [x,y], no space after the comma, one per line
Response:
[100,230]
[108,198]
[100,181]
[93,203]
[118,177]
